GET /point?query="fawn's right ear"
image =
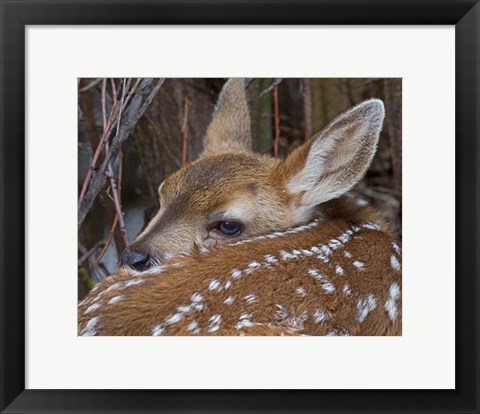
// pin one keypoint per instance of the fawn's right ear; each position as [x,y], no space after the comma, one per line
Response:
[333,161]
[229,129]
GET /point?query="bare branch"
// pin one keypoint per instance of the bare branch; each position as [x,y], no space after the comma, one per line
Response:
[185,130]
[276,140]
[90,85]
[307,107]
[134,112]
[275,83]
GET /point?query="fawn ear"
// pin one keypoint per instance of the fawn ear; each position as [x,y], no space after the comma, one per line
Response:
[334,160]
[229,129]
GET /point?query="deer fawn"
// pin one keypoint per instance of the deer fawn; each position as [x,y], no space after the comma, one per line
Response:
[245,244]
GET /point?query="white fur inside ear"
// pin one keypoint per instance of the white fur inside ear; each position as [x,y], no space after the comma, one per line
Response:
[339,156]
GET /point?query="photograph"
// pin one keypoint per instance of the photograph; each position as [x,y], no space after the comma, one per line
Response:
[239,206]
[223,174]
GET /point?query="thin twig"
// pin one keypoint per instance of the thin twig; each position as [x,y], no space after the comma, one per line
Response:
[114,88]
[135,111]
[185,130]
[307,107]
[87,253]
[90,85]
[98,151]
[109,239]
[111,175]
[379,195]
[277,121]
[275,83]
[132,91]
[115,220]
[393,107]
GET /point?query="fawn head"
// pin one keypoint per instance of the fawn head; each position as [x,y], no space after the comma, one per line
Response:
[231,193]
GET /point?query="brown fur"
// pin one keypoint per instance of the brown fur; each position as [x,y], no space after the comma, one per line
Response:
[278,309]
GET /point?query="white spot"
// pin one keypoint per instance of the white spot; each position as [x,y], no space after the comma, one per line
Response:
[347,290]
[229,300]
[344,238]
[215,321]
[184,309]
[359,265]
[361,202]
[326,250]
[365,306]
[83,302]
[396,248]
[90,327]
[134,282]
[339,270]
[197,297]
[113,287]
[197,301]
[307,252]
[244,321]
[334,244]
[93,307]
[395,263]
[287,256]
[301,291]
[314,272]
[394,290]
[316,250]
[347,254]
[174,318]
[158,330]
[320,316]
[214,284]
[333,332]
[250,298]
[326,284]
[153,271]
[203,250]
[193,326]
[371,226]
[271,259]
[116,299]
[236,273]
[282,312]
[279,233]
[198,306]
[323,258]
[391,304]
[328,287]
[252,267]
[228,284]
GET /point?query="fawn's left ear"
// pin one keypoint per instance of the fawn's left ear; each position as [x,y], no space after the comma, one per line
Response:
[337,158]
[229,129]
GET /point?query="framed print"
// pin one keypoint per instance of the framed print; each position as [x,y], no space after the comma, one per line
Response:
[166,114]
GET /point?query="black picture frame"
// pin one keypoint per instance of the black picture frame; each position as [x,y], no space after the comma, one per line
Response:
[16,15]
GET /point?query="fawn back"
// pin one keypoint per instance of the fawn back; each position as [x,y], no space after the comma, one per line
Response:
[256,245]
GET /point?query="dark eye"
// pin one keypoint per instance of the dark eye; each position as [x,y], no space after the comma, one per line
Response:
[229,228]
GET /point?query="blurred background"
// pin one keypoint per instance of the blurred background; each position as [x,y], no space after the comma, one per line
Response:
[134,132]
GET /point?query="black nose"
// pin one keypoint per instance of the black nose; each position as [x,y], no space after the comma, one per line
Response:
[135,259]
